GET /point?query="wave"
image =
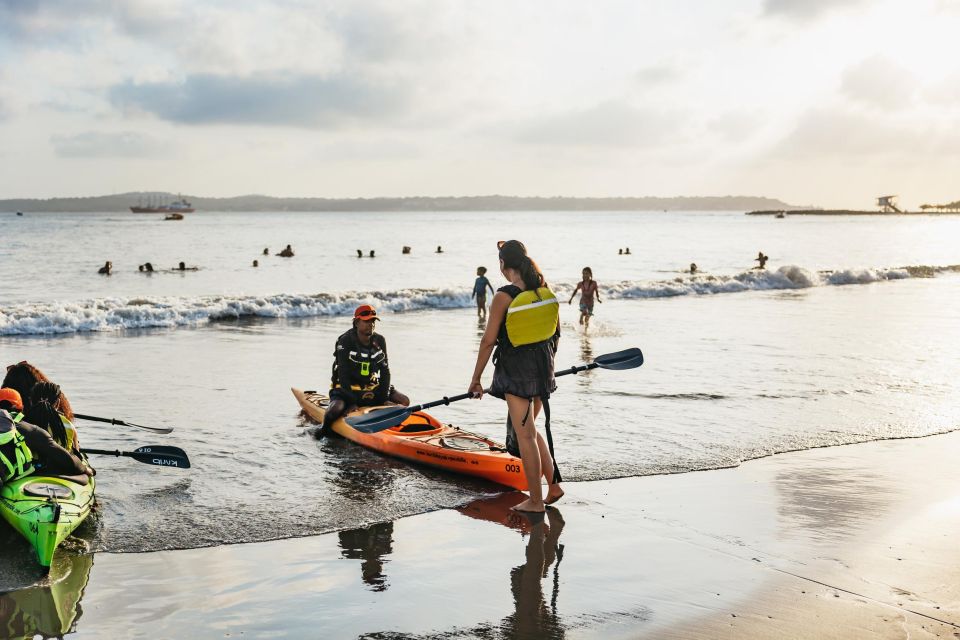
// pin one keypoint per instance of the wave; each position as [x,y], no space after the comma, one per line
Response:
[115,314]
[787,277]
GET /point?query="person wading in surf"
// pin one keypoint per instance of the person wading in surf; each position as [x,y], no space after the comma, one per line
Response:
[524,327]
[361,373]
[589,289]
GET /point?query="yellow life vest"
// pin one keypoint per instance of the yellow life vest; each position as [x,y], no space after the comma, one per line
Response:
[73,442]
[21,463]
[532,317]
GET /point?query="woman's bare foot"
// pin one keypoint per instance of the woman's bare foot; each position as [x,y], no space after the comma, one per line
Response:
[553,494]
[529,506]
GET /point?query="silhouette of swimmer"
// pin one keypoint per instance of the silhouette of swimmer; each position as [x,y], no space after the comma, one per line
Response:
[626,251]
[406,249]
[183,267]
[140,267]
[287,252]
[106,268]
[619,252]
[439,249]
[693,267]
[256,263]
[762,259]
[371,253]
[266,251]
[359,253]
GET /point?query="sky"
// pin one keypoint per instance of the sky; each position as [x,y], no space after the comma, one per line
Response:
[828,103]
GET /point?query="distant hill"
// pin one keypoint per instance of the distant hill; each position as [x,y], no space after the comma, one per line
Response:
[122,202]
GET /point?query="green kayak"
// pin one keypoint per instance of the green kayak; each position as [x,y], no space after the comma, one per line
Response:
[45,510]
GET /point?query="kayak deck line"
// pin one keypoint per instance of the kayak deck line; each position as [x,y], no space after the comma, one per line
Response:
[423,439]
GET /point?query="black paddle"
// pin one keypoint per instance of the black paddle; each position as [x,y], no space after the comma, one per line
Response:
[123,424]
[385,418]
[162,456]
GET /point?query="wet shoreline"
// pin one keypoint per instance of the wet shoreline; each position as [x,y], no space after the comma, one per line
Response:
[748,552]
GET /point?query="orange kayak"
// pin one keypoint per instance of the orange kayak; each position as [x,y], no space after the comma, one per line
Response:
[422,439]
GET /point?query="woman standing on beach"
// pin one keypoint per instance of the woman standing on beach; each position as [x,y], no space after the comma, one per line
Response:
[523,326]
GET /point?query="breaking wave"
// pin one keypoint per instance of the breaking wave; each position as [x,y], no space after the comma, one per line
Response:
[115,314]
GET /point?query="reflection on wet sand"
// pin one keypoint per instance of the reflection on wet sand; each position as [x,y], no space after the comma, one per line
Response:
[585,378]
[831,503]
[370,545]
[533,617]
[49,609]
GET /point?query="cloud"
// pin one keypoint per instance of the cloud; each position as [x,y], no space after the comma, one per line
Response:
[95,144]
[736,126]
[805,9]
[659,74]
[286,99]
[609,124]
[843,133]
[55,23]
[946,92]
[880,83]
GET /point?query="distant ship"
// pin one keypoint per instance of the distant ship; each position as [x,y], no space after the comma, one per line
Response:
[177,206]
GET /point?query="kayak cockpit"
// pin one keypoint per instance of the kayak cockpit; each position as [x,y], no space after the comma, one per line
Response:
[418,424]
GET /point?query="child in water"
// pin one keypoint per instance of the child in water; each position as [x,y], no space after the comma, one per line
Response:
[480,286]
[588,288]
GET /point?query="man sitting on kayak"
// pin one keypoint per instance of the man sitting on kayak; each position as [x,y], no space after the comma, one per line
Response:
[361,373]
[26,448]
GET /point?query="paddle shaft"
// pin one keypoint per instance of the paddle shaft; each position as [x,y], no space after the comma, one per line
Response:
[161,456]
[464,396]
[122,423]
[381,419]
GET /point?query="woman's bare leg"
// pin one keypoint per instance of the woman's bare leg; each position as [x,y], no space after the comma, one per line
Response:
[526,430]
[554,491]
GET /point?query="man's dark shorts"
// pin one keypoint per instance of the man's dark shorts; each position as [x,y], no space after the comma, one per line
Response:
[353,399]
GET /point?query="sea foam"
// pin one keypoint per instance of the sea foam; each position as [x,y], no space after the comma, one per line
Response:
[114,314]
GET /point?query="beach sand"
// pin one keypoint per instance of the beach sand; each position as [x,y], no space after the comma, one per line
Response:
[844,542]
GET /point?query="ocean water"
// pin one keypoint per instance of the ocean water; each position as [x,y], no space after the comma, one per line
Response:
[850,335]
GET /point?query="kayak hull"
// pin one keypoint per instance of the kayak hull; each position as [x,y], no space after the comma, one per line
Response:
[422,439]
[45,510]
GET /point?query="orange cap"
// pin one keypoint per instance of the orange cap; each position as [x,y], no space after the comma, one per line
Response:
[365,312]
[13,397]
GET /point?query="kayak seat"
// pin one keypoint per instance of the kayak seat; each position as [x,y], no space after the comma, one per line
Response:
[417,427]
[418,423]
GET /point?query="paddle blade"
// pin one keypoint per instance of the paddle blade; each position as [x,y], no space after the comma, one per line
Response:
[122,423]
[146,428]
[626,359]
[379,420]
[162,456]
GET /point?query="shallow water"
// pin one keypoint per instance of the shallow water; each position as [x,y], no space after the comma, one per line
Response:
[644,557]
[843,344]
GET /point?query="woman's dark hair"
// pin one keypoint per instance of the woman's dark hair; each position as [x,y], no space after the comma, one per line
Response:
[514,256]
[43,411]
[23,376]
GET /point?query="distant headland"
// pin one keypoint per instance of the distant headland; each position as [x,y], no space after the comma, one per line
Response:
[886,205]
[122,202]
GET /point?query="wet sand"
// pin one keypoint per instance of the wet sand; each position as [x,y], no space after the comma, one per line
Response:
[843,542]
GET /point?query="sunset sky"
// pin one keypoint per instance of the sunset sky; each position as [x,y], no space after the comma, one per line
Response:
[822,102]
